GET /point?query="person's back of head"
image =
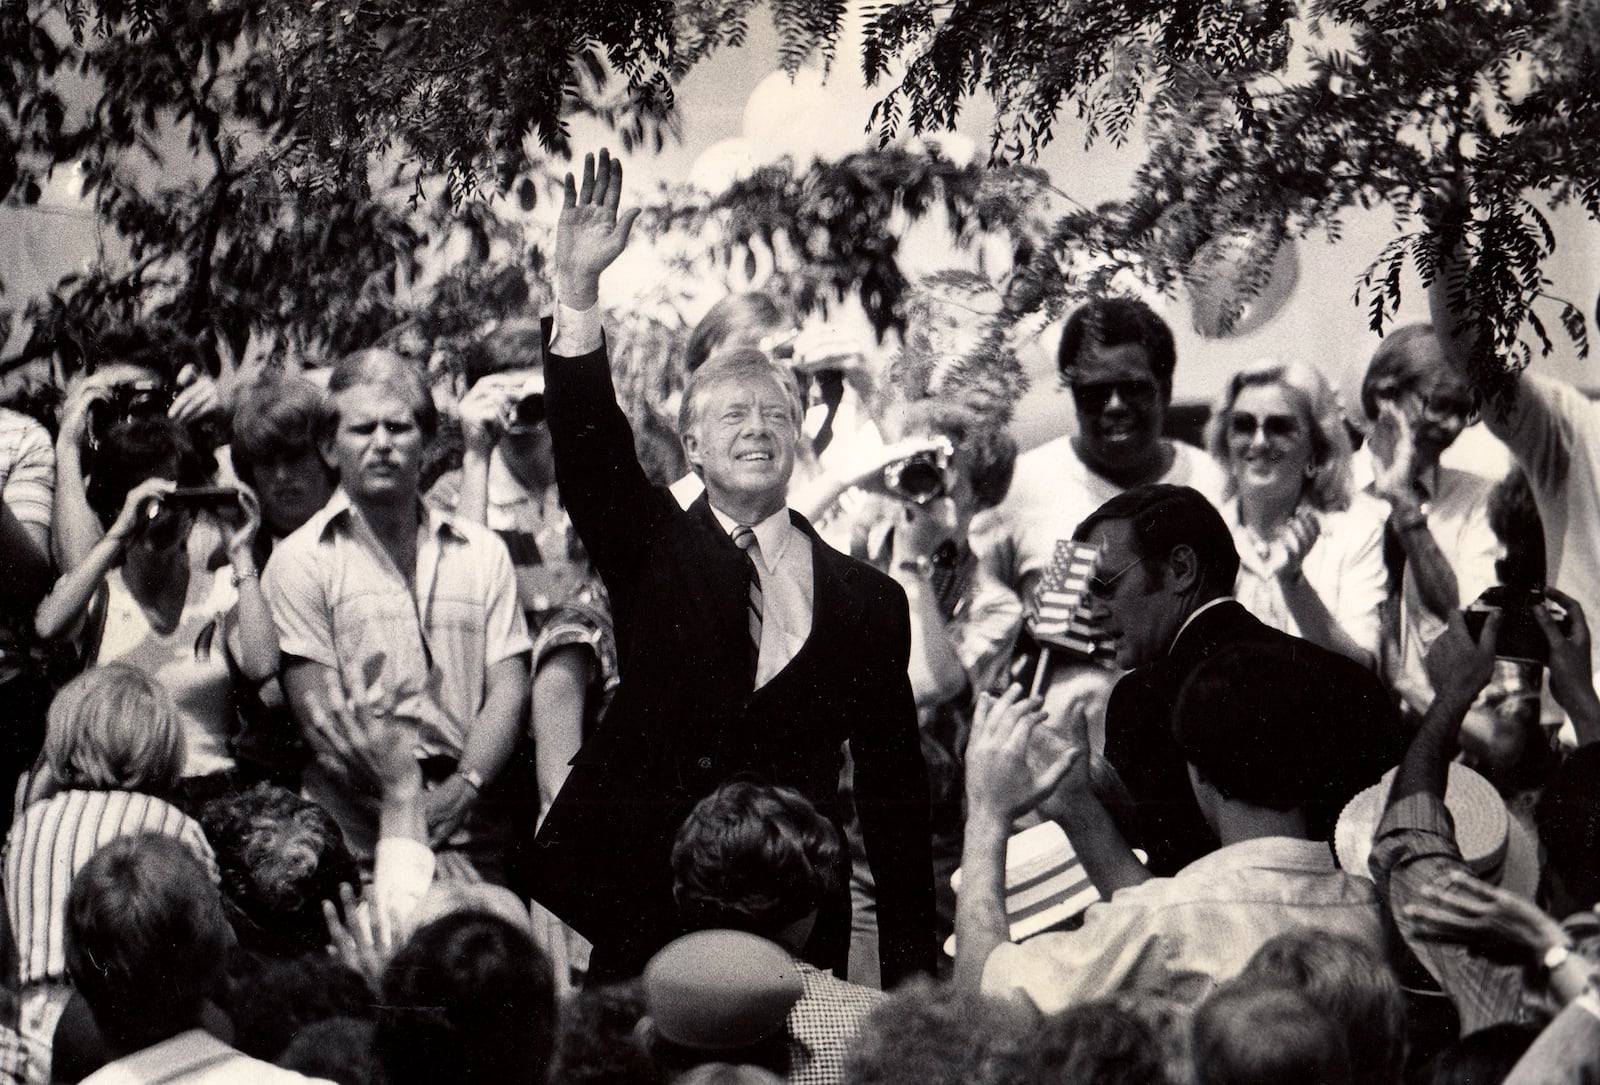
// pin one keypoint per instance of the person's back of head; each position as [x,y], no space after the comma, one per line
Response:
[727,1073]
[469,998]
[272,1000]
[601,1042]
[1245,1034]
[1485,1057]
[280,857]
[1246,723]
[933,1035]
[146,940]
[754,857]
[1352,985]
[1161,518]
[1095,1043]
[113,726]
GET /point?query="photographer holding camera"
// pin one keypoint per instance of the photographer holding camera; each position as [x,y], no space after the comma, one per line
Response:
[148,594]
[95,401]
[947,465]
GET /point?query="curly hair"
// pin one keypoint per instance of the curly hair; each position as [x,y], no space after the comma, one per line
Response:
[280,856]
[754,857]
[1330,489]
[1098,1042]
[925,1034]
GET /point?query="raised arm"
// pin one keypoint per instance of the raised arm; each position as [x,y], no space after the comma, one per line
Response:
[58,615]
[255,639]
[1459,668]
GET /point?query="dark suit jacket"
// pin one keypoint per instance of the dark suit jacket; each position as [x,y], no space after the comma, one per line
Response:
[1357,739]
[684,719]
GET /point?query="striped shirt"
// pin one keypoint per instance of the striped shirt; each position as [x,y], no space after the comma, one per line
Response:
[53,841]
[27,468]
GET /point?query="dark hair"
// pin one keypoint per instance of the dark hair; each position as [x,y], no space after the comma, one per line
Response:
[734,316]
[753,857]
[514,344]
[1115,322]
[337,1049]
[1396,364]
[146,939]
[992,448]
[933,1035]
[1352,985]
[1245,719]
[270,1000]
[1568,819]
[136,449]
[1514,518]
[1161,518]
[389,371]
[1484,1057]
[280,857]
[468,998]
[1095,1042]
[600,1044]
[1245,1034]
[275,418]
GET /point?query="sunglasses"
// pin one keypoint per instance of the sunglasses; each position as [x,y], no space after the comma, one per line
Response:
[1276,427]
[1092,398]
[1104,587]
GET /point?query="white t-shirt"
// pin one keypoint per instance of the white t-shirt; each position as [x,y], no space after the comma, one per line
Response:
[1052,492]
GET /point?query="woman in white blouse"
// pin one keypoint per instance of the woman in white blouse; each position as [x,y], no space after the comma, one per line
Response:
[1310,548]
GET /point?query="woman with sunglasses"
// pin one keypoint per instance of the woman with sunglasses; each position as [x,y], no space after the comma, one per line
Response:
[156,594]
[1310,549]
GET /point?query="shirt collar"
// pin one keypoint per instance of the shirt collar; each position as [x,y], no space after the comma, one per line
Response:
[1198,611]
[1275,852]
[339,507]
[772,534]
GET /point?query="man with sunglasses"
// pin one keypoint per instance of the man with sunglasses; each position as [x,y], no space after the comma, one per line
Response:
[1161,592]
[1116,358]
[1438,542]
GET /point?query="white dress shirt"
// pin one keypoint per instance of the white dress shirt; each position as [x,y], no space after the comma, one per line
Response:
[783,556]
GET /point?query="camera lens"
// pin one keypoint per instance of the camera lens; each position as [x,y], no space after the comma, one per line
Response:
[528,412]
[918,479]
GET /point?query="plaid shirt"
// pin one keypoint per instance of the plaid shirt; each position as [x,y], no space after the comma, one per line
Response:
[823,1025]
[1416,846]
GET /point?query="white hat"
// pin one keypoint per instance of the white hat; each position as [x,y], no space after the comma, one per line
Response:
[1045,883]
[1493,844]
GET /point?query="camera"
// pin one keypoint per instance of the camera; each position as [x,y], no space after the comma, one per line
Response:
[1520,635]
[922,477]
[525,414]
[146,398]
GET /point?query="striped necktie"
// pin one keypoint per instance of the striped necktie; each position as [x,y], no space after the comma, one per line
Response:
[745,539]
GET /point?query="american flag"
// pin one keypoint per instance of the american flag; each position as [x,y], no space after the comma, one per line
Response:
[1060,603]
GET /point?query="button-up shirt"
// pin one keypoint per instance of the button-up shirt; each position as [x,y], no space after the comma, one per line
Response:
[783,556]
[338,599]
[1183,935]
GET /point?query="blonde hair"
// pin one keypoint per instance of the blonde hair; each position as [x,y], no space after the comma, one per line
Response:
[1329,488]
[114,726]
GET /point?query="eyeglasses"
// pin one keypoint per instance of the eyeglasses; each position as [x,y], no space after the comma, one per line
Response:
[1092,398]
[1276,427]
[1104,587]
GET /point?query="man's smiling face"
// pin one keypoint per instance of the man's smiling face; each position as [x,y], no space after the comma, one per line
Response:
[743,440]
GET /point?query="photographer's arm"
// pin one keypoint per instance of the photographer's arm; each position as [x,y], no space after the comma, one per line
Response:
[1571,680]
[74,528]
[1459,668]
[255,643]
[61,610]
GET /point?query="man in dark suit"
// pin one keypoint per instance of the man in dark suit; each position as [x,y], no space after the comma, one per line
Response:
[1162,592]
[762,655]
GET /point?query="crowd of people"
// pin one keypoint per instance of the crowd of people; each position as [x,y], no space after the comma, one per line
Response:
[559,766]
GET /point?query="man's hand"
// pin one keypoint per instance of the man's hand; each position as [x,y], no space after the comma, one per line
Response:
[355,939]
[590,234]
[1394,455]
[1466,909]
[364,737]
[1458,666]
[1571,679]
[481,410]
[199,398]
[448,807]
[131,519]
[1002,780]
